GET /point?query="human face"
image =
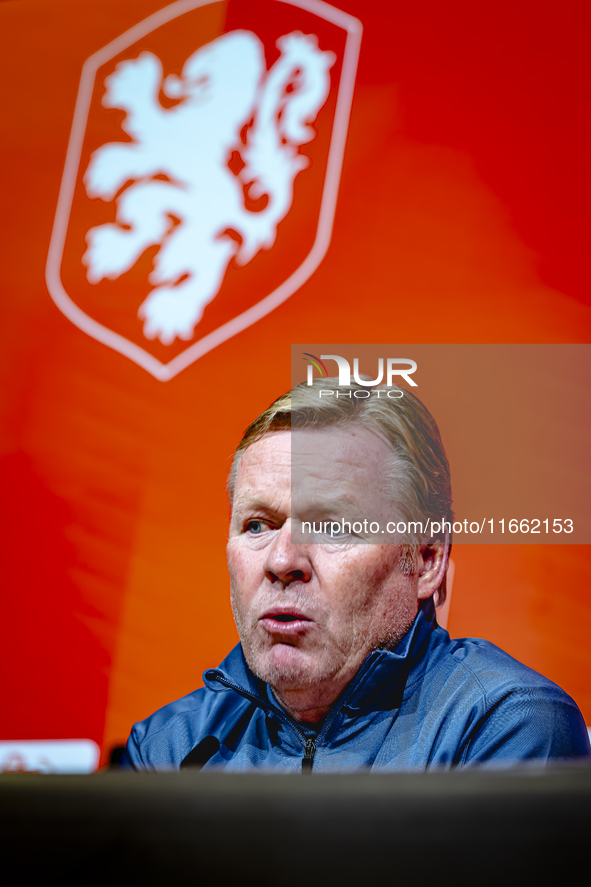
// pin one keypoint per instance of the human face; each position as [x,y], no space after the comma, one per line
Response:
[309,613]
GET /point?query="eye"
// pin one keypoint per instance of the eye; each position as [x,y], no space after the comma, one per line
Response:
[255,527]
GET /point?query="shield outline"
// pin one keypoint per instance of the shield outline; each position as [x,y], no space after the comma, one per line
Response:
[166,371]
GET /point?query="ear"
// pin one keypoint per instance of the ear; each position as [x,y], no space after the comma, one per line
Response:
[433,562]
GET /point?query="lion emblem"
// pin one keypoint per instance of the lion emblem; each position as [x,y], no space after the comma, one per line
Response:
[187,180]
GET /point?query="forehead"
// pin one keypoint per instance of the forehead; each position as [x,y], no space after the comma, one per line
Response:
[349,463]
[264,462]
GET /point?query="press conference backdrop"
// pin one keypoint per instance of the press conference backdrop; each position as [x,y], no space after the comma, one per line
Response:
[191,188]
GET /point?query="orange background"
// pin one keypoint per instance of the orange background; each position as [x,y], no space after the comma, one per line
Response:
[462,217]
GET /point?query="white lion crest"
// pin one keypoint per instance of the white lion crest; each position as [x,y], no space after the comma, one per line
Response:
[179,192]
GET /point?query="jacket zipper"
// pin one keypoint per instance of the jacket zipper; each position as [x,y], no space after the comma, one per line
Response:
[308,759]
[310,744]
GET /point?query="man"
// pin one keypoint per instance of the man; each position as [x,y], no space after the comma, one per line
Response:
[335,574]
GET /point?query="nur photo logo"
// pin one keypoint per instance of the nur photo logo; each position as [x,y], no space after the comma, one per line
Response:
[388,368]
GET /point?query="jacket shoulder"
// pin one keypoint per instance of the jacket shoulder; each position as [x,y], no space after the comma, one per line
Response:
[493,673]
[511,711]
[165,738]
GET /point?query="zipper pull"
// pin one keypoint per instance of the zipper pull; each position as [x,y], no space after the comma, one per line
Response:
[308,758]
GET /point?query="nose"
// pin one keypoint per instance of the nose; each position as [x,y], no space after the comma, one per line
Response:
[287,562]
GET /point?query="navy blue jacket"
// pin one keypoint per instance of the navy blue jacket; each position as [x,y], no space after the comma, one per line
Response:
[433,702]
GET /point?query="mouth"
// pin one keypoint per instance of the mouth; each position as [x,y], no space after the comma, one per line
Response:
[286,621]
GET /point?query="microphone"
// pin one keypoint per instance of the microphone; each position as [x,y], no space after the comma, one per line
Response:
[200,755]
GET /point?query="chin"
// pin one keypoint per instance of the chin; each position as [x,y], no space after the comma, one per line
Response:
[286,668]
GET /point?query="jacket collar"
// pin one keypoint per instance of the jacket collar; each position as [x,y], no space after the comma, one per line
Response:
[382,679]
[379,683]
